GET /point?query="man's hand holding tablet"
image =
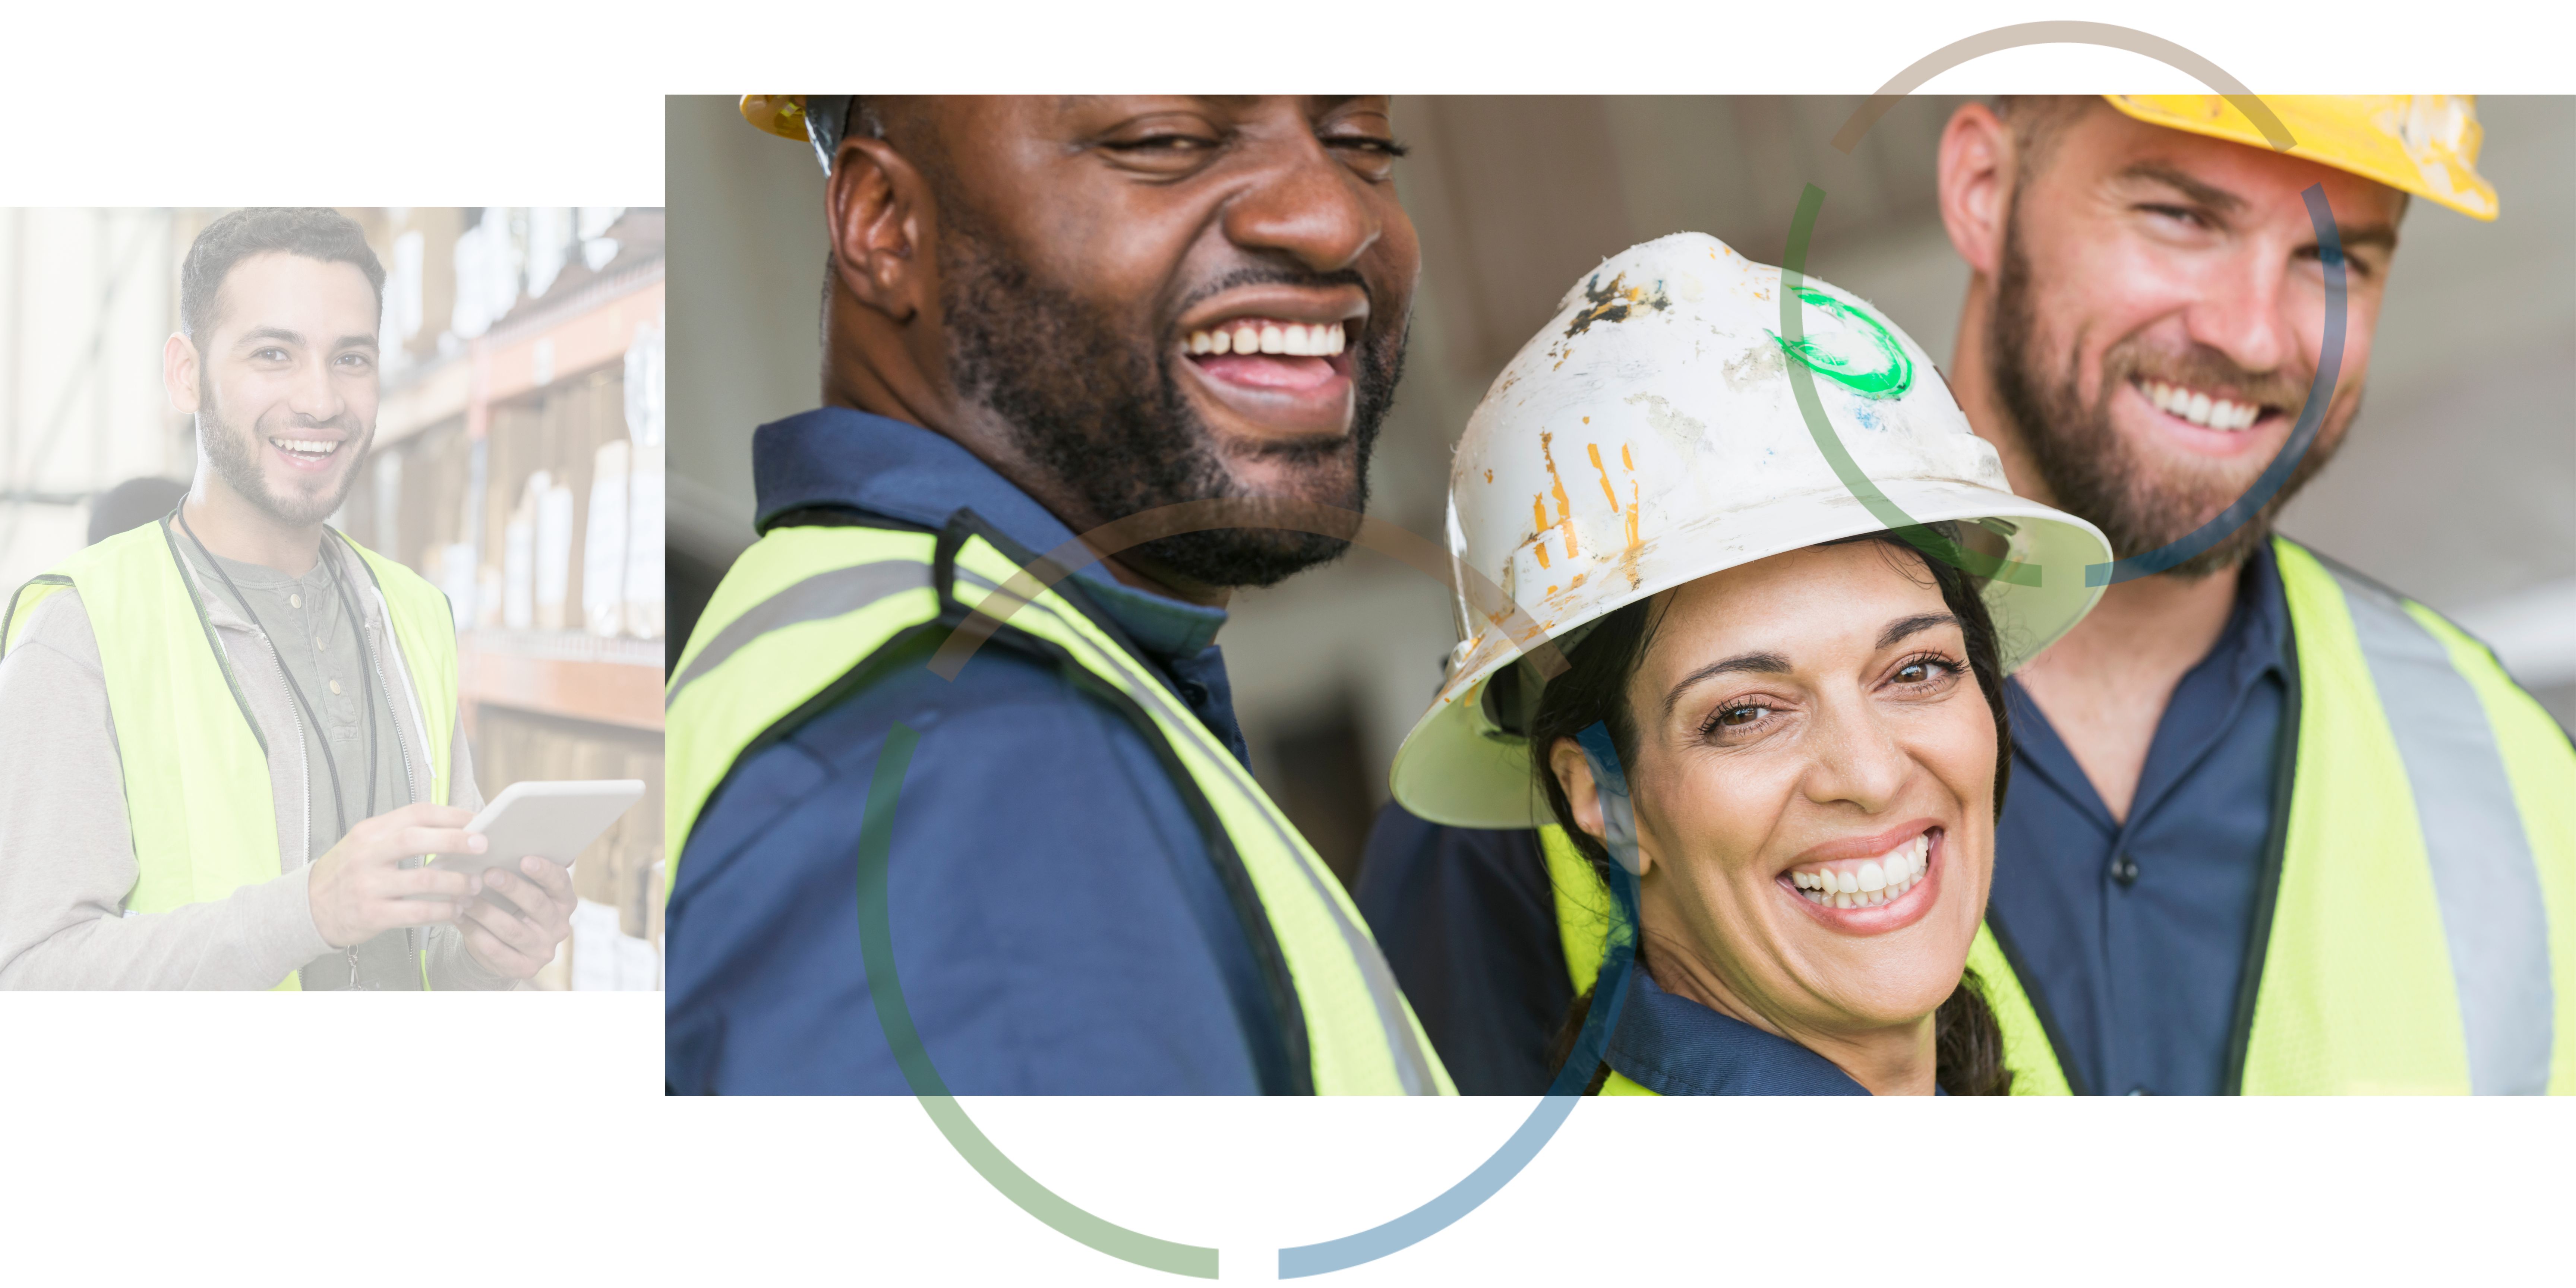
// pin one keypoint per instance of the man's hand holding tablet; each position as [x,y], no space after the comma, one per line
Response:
[521,849]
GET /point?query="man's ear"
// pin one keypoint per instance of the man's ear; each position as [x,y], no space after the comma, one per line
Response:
[1976,184]
[179,373]
[882,221]
[1582,795]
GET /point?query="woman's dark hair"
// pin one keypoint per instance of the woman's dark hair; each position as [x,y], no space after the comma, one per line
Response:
[1594,689]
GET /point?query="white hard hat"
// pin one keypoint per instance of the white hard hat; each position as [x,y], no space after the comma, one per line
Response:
[1649,436]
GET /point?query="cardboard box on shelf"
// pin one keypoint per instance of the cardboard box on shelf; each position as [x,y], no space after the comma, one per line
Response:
[605,541]
[554,555]
[644,613]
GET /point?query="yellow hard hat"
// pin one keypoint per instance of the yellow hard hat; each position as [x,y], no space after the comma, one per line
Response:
[780,114]
[814,119]
[2426,144]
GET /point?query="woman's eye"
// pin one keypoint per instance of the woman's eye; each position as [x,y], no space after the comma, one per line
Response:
[1737,717]
[1924,671]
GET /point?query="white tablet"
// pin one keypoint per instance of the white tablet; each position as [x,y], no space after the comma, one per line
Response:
[550,820]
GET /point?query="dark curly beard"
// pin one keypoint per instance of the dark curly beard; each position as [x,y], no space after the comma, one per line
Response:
[2095,474]
[1103,412]
[234,452]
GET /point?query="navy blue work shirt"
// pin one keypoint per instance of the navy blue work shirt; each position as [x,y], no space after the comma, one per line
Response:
[1058,925]
[1674,1046]
[2131,935]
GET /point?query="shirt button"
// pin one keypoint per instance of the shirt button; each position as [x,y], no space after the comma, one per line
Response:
[295,601]
[317,641]
[2124,870]
[335,686]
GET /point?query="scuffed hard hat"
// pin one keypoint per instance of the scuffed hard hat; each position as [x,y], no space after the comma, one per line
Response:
[1649,436]
[818,119]
[2426,144]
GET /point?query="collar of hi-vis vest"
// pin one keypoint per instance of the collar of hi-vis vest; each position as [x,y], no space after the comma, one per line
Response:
[838,457]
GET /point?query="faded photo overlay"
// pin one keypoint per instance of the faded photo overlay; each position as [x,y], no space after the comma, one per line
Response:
[332,540]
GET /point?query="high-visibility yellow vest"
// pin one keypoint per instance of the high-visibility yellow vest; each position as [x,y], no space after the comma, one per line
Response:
[2418,916]
[197,792]
[803,615]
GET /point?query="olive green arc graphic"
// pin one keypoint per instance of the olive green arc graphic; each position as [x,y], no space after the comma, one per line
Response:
[876,843]
[1795,295]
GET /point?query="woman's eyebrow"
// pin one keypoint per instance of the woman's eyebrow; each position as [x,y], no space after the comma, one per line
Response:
[1904,626]
[1762,663]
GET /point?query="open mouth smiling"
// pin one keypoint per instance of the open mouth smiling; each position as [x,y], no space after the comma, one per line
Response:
[1279,366]
[1870,893]
[2205,409]
[307,453]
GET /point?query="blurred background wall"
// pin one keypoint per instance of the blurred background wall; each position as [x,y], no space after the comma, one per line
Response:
[517,465]
[2458,484]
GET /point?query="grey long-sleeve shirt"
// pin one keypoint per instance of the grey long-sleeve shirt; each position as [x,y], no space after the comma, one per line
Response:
[67,852]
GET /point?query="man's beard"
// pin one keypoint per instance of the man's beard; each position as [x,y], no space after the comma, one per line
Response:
[235,455]
[1107,419]
[2094,473]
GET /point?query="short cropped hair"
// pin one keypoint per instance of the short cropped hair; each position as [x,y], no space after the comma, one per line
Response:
[314,232]
[2036,121]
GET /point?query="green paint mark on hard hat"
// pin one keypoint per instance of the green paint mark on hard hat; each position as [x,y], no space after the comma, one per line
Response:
[1883,372]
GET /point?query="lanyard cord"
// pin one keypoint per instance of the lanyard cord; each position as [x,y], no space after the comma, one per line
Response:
[339,808]
[366,674]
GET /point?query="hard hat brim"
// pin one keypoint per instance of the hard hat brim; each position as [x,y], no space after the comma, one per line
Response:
[2357,134]
[1454,768]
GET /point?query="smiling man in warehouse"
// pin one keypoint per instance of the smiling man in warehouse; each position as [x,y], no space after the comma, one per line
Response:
[1043,315]
[227,737]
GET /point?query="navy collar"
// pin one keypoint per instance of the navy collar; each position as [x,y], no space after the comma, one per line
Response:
[1674,1046]
[839,457]
[2252,648]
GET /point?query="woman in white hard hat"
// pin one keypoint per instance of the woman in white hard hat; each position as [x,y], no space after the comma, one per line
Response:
[1805,708]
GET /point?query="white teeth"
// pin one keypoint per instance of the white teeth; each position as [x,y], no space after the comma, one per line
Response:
[1322,340]
[1870,883]
[306,446]
[2200,408]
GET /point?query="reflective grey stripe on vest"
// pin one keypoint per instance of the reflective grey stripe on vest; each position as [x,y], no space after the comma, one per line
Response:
[2483,873]
[1411,1065]
[823,595]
